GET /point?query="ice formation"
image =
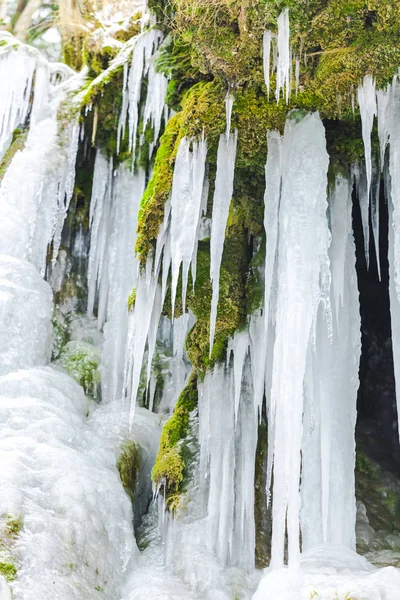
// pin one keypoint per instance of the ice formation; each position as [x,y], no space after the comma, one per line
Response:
[221,203]
[142,65]
[282,62]
[112,271]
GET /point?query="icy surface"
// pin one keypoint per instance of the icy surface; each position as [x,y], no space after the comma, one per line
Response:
[57,476]
[25,312]
[267,44]
[330,573]
[221,203]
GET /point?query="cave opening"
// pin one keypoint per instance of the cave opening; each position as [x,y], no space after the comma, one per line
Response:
[377,429]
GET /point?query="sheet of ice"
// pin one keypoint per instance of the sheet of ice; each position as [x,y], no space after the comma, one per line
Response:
[34,206]
[17,69]
[155,108]
[58,477]
[25,313]
[222,199]
[303,237]
[330,572]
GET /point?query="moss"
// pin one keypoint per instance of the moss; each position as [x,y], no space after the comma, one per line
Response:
[82,362]
[128,466]
[169,469]
[8,570]
[11,528]
[19,138]
[151,212]
[131,300]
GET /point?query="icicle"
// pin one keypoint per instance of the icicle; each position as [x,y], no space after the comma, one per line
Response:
[273,175]
[121,274]
[99,220]
[186,204]
[142,64]
[375,194]
[363,198]
[303,235]
[17,69]
[392,184]
[384,119]
[238,346]
[284,66]
[368,109]
[229,100]
[222,198]
[155,103]
[331,396]
[267,41]
[297,75]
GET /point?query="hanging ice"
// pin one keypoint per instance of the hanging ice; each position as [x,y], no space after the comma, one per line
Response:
[186,207]
[284,66]
[361,182]
[229,101]
[121,275]
[303,235]
[267,42]
[34,207]
[368,109]
[328,514]
[222,200]
[142,64]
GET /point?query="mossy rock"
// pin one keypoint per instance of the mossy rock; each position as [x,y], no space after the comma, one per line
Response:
[128,466]
[171,462]
[82,361]
[11,527]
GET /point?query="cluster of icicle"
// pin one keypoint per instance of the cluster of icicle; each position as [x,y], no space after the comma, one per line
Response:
[48,159]
[279,46]
[143,65]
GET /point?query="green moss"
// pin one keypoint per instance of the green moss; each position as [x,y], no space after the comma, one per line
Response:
[18,142]
[82,362]
[11,528]
[128,466]
[171,460]
[131,300]
[8,570]
[152,206]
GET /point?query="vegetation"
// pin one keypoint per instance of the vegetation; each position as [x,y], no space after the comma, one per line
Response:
[173,455]
[11,527]
[128,466]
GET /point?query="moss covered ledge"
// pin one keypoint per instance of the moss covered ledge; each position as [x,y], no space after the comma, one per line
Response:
[173,454]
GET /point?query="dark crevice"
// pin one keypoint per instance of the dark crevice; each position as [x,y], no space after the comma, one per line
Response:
[377,432]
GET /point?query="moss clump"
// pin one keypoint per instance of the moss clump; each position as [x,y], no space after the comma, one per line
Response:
[171,461]
[128,466]
[131,300]
[151,212]
[82,362]
[11,528]
[19,138]
[8,571]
